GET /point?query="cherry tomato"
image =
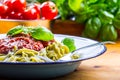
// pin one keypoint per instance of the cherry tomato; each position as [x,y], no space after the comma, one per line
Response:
[4,16]
[36,6]
[15,15]
[3,9]
[31,14]
[15,5]
[49,10]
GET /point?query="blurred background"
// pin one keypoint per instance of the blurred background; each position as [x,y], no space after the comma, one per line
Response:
[95,19]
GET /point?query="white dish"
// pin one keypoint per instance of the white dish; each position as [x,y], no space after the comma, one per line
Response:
[51,69]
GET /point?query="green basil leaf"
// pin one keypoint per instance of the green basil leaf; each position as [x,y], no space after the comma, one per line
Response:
[75,5]
[27,30]
[15,30]
[70,43]
[42,33]
[116,23]
[108,33]
[92,28]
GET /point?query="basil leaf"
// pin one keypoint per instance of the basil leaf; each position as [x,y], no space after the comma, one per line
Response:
[27,30]
[42,33]
[108,33]
[75,5]
[92,28]
[15,30]
[69,42]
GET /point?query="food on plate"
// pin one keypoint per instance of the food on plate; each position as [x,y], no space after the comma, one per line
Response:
[70,43]
[28,44]
[56,50]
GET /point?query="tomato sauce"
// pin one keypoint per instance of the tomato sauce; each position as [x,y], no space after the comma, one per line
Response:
[21,41]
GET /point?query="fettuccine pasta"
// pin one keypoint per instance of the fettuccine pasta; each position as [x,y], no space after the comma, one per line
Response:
[53,51]
[56,50]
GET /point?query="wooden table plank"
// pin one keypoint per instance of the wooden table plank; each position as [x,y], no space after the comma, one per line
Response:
[104,67]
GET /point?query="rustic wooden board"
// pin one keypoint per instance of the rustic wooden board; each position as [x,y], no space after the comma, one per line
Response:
[104,67]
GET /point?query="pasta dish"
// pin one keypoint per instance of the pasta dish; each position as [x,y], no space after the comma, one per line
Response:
[24,48]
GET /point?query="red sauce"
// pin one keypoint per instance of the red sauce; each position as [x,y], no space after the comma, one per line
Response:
[22,41]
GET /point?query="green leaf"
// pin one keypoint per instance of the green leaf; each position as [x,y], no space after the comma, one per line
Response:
[108,33]
[116,23]
[27,30]
[106,17]
[59,2]
[70,43]
[91,1]
[15,30]
[42,33]
[92,28]
[81,18]
[63,8]
[75,5]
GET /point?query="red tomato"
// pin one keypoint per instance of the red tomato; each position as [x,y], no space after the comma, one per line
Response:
[36,6]
[31,14]
[4,16]
[15,15]
[3,9]
[49,10]
[15,5]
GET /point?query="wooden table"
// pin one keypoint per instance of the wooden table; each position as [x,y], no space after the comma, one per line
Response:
[104,67]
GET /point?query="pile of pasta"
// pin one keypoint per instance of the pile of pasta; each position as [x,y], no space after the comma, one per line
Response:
[53,51]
